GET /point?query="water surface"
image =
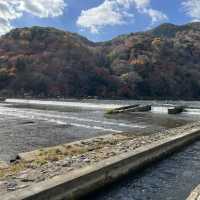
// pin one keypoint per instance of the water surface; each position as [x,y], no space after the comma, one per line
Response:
[25,127]
[170,179]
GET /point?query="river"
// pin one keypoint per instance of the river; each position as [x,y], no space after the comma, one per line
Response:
[25,127]
[171,179]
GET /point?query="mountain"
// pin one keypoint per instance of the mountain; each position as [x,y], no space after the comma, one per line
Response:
[45,62]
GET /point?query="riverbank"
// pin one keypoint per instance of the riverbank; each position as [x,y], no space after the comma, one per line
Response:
[45,164]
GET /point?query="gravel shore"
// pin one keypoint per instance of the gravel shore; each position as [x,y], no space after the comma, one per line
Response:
[47,163]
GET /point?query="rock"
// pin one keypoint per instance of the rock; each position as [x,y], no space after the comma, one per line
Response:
[12,186]
[91,148]
[66,162]
[87,160]
[27,177]
[82,157]
[74,157]
[85,142]
[14,159]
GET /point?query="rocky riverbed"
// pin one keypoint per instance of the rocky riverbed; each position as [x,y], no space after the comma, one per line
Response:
[43,164]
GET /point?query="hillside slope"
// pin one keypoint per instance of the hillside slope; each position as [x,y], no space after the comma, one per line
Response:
[46,62]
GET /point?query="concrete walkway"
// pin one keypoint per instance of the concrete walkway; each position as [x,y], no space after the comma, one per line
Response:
[94,175]
[195,194]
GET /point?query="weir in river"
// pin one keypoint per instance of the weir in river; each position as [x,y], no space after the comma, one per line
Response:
[38,124]
[31,124]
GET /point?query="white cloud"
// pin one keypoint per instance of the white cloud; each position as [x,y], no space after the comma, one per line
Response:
[192,8]
[117,12]
[43,8]
[155,15]
[7,13]
[13,9]
[108,13]
[5,26]
[142,3]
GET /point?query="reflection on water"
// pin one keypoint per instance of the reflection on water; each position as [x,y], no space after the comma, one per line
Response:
[170,179]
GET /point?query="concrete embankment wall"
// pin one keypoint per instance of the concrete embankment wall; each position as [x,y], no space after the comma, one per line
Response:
[81,182]
[195,194]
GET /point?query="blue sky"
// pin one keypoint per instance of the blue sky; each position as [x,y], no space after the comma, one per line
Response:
[98,20]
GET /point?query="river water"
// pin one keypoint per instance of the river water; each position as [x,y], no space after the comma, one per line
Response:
[171,179]
[25,126]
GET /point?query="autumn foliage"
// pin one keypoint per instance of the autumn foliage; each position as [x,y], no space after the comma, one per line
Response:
[46,62]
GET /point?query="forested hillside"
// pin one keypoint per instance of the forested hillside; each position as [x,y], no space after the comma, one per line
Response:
[46,62]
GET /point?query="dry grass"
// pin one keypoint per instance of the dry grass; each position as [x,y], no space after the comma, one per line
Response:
[43,156]
[12,169]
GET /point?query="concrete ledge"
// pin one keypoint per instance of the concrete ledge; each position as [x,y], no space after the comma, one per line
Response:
[195,194]
[176,110]
[122,109]
[86,180]
[132,108]
[33,155]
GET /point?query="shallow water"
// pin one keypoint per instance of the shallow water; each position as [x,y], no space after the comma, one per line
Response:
[28,127]
[170,179]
